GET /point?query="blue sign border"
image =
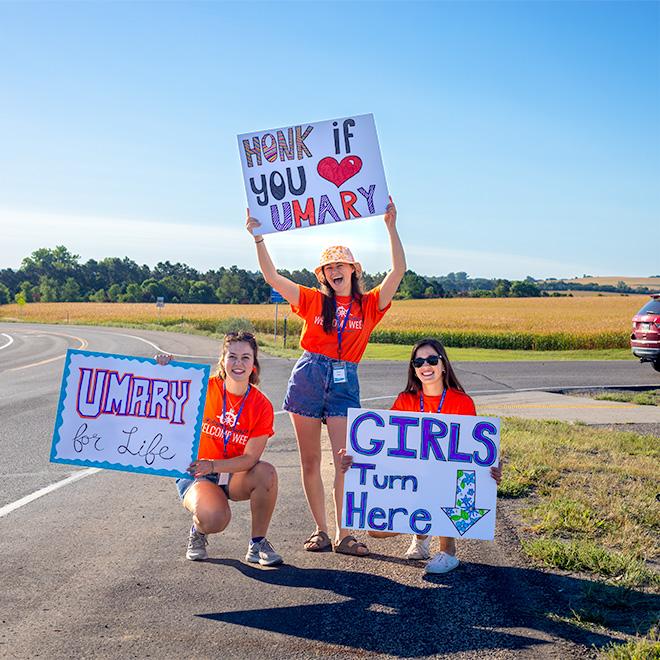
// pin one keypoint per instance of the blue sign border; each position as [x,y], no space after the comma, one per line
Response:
[117,466]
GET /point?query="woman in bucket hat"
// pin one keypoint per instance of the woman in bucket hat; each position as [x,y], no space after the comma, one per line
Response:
[338,321]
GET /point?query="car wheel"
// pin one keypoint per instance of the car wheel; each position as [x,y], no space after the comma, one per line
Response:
[656,364]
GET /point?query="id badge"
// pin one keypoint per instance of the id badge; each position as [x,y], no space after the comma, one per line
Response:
[339,372]
[223,478]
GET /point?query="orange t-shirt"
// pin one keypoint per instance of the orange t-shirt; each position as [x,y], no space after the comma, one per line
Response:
[363,318]
[456,403]
[256,419]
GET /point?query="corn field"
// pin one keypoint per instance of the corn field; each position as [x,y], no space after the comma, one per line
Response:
[586,322]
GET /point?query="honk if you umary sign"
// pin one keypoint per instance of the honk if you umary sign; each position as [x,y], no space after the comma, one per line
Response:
[313,174]
[129,413]
[421,473]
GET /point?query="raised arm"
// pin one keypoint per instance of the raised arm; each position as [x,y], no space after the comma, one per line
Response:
[393,278]
[283,285]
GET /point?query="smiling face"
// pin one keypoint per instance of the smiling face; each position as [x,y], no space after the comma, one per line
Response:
[428,374]
[338,277]
[238,361]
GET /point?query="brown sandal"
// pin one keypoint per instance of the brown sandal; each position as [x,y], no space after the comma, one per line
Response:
[319,541]
[349,545]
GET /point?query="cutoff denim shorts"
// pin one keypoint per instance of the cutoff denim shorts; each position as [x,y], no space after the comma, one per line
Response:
[182,485]
[312,393]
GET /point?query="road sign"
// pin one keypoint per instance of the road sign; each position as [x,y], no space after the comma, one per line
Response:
[276,297]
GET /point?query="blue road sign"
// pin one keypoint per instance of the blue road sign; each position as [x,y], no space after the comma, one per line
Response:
[276,297]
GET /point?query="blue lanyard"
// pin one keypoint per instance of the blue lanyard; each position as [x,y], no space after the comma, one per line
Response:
[341,327]
[227,434]
[442,400]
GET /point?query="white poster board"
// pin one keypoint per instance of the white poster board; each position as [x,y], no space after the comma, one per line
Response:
[129,413]
[313,174]
[421,473]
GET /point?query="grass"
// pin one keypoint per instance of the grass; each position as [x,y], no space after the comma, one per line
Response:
[543,324]
[640,648]
[647,398]
[586,503]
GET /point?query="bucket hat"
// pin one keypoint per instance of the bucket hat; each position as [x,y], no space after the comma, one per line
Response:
[337,254]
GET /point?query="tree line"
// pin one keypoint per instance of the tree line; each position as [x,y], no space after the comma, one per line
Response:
[57,275]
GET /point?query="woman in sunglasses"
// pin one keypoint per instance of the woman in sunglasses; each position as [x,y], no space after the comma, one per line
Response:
[433,387]
[338,321]
[238,420]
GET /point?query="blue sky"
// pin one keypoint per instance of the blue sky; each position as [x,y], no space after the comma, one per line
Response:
[518,138]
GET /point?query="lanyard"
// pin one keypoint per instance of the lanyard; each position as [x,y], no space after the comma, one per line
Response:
[341,327]
[227,434]
[442,400]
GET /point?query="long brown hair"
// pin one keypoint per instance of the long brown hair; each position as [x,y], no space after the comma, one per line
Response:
[414,385]
[329,299]
[233,338]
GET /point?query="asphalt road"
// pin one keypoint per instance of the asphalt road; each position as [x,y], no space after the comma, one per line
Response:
[97,567]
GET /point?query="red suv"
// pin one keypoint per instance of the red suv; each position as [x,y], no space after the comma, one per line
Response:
[645,337]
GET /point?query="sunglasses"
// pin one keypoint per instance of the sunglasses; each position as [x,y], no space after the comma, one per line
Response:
[431,359]
[240,336]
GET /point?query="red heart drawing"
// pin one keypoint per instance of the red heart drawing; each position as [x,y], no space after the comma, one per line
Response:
[339,173]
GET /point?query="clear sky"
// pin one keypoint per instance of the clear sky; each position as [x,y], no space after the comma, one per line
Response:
[518,138]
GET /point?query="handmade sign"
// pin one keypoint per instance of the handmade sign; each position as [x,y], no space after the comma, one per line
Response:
[421,473]
[129,413]
[313,174]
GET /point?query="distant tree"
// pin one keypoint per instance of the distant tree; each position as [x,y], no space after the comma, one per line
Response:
[412,285]
[115,291]
[524,290]
[201,292]
[48,291]
[70,291]
[5,295]
[99,296]
[502,288]
[133,293]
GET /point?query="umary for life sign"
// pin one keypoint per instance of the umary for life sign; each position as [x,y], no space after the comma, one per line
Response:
[421,473]
[313,174]
[129,413]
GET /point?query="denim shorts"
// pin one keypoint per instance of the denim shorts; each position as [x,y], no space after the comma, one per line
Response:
[183,484]
[312,393]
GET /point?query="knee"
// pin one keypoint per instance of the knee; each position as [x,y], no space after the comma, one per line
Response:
[310,462]
[265,475]
[212,521]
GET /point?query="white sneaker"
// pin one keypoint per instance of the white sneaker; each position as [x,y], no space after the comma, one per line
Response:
[196,545]
[442,563]
[263,553]
[419,548]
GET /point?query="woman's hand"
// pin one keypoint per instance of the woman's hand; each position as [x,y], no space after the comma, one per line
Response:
[163,358]
[251,224]
[201,468]
[390,215]
[496,473]
[345,461]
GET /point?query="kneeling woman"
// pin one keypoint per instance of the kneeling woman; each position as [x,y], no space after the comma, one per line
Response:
[238,420]
[432,387]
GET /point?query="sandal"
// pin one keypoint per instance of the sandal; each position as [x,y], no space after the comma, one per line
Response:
[319,541]
[349,545]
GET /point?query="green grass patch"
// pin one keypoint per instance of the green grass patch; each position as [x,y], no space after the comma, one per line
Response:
[639,648]
[401,353]
[588,556]
[587,504]
[647,398]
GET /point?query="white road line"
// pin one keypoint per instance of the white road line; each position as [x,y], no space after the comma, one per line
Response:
[9,343]
[44,491]
[162,350]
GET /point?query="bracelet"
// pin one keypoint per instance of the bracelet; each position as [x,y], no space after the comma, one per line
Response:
[257,242]
[212,468]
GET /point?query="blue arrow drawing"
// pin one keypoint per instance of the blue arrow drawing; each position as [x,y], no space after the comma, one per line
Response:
[464,514]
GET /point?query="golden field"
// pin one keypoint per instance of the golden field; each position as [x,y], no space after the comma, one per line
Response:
[527,323]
